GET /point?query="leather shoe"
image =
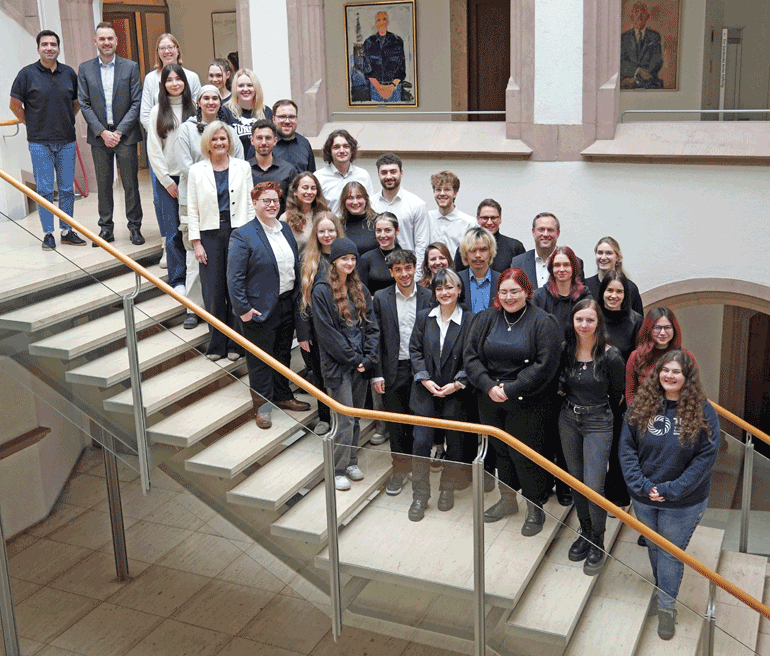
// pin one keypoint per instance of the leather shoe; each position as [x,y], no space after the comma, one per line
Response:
[579,549]
[508,505]
[417,509]
[564,497]
[446,500]
[136,237]
[106,235]
[533,524]
[264,420]
[293,404]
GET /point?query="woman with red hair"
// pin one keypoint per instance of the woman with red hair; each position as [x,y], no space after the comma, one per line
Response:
[511,357]
[564,288]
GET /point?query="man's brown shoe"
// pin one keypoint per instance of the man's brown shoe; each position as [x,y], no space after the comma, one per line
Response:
[293,404]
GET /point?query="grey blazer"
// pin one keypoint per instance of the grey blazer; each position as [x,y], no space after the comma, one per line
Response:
[126,100]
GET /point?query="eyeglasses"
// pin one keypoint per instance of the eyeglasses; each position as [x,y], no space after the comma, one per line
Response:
[166,48]
[662,329]
[509,292]
[286,118]
[270,201]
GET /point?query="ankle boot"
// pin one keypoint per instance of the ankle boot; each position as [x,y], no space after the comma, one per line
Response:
[508,505]
[596,556]
[533,524]
[579,549]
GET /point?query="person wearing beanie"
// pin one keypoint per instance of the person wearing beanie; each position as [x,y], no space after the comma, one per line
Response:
[348,339]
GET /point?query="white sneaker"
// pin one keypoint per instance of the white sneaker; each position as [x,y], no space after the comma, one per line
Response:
[181,289]
[341,482]
[377,438]
[163,264]
[354,473]
[322,427]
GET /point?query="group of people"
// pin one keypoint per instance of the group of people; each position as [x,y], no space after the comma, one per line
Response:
[432,313]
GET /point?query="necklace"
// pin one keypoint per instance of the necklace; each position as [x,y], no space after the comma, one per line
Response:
[511,325]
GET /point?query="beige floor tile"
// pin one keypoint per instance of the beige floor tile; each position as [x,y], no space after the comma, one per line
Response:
[148,542]
[22,589]
[288,591]
[247,571]
[417,649]
[45,560]
[50,650]
[89,458]
[173,513]
[126,473]
[26,647]
[19,543]
[59,516]
[243,647]
[224,528]
[108,630]
[276,567]
[197,507]
[96,577]
[202,554]
[162,480]
[47,613]
[357,642]
[278,623]
[136,504]
[176,639]
[91,530]
[84,490]
[159,590]
[223,606]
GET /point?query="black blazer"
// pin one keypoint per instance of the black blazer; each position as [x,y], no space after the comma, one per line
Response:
[526,262]
[442,366]
[126,100]
[252,270]
[465,278]
[387,319]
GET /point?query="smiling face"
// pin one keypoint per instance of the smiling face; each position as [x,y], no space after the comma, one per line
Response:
[545,233]
[436,260]
[210,103]
[306,193]
[662,333]
[267,206]
[584,322]
[444,196]
[220,143]
[489,218]
[168,52]
[174,85]
[614,295]
[263,141]
[106,42]
[216,77]
[672,379]
[562,268]
[341,151]
[385,233]
[326,233]
[606,257]
[390,176]
[447,295]
[512,297]
[48,49]
[403,274]
[345,265]
[285,119]
[356,202]
[244,91]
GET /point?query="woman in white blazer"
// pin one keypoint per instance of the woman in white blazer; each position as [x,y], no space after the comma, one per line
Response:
[217,202]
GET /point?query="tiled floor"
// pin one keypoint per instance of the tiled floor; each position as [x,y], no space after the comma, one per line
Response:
[199,586]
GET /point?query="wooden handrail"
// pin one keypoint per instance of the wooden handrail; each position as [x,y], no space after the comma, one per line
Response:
[432,422]
[14,121]
[741,423]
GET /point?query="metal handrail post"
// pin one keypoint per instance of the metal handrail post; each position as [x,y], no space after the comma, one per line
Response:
[748,480]
[478,548]
[140,416]
[115,506]
[7,611]
[335,589]
[711,619]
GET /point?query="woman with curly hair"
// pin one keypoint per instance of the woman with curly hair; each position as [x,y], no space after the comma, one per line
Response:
[437,257]
[358,217]
[668,447]
[563,289]
[660,333]
[348,338]
[315,263]
[304,203]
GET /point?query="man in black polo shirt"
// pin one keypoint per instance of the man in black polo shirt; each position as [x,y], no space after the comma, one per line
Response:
[265,166]
[44,97]
[291,146]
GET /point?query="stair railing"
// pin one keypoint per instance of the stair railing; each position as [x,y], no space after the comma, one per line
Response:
[466,427]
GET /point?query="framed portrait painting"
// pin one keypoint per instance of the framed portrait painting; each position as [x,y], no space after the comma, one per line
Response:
[381,49]
[649,44]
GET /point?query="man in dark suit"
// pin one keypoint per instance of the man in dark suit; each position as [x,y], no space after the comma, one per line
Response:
[396,309]
[110,94]
[477,249]
[490,216]
[545,230]
[641,55]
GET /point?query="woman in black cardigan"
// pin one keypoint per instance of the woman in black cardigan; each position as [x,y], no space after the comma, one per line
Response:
[511,356]
[439,390]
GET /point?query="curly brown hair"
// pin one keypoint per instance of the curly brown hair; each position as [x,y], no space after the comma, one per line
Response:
[350,289]
[650,398]
[293,215]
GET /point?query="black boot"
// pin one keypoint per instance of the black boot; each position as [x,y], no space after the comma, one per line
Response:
[533,524]
[579,549]
[417,509]
[596,555]
[508,505]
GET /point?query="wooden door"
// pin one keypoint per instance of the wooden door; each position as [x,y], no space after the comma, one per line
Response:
[489,56]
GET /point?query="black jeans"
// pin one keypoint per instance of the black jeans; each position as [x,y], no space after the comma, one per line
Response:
[396,399]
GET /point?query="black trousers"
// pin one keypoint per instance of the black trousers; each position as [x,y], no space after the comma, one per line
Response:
[273,336]
[128,163]
[312,361]
[396,399]
[214,287]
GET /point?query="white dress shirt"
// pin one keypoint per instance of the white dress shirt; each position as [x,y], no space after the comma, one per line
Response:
[406,308]
[108,82]
[443,326]
[284,256]
[541,269]
[413,225]
[449,229]
[332,182]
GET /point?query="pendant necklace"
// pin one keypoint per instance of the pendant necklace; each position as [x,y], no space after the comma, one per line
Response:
[511,325]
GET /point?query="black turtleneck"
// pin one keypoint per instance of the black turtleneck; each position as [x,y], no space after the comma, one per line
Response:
[359,232]
[622,328]
[373,271]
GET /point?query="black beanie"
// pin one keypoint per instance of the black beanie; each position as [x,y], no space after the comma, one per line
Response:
[342,246]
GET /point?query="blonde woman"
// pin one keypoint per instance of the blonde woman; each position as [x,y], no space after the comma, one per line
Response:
[247,105]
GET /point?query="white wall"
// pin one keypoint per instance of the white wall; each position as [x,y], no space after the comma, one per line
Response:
[702,335]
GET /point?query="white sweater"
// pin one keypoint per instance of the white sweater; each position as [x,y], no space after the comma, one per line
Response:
[150,93]
[161,151]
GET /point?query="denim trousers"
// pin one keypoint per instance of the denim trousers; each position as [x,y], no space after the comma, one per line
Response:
[48,158]
[586,441]
[676,525]
[168,220]
[351,392]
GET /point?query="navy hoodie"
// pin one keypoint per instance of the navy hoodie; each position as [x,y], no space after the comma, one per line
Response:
[654,457]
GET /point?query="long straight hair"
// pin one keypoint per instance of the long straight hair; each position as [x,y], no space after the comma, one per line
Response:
[647,353]
[599,350]
[352,289]
[311,258]
[575,286]
[167,121]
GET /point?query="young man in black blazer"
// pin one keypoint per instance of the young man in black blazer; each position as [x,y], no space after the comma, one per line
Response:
[396,309]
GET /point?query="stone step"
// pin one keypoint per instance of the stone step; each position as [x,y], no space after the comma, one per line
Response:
[112,369]
[169,386]
[72,304]
[436,554]
[91,335]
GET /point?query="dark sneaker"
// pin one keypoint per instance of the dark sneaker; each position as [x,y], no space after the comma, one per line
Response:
[666,623]
[395,484]
[72,238]
[49,243]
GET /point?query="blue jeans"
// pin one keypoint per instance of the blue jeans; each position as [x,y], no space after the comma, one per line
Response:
[48,158]
[168,221]
[586,441]
[676,525]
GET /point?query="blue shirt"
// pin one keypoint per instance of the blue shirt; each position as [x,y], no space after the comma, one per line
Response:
[479,290]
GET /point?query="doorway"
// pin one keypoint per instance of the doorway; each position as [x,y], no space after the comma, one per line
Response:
[757,405]
[489,57]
